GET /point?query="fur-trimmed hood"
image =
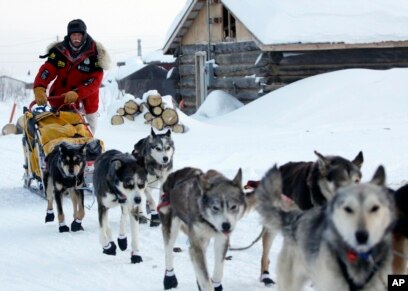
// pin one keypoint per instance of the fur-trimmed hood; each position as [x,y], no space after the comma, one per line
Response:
[103,56]
[104,59]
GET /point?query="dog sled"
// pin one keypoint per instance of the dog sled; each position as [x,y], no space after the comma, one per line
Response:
[43,131]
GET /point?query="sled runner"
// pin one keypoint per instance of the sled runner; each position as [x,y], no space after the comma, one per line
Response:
[43,131]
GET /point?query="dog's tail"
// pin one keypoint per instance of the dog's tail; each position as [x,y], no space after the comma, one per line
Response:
[270,202]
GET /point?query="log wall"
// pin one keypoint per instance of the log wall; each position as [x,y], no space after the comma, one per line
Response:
[247,73]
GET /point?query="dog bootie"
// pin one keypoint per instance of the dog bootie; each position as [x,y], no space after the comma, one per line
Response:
[170,280]
[217,286]
[63,228]
[49,216]
[155,220]
[135,258]
[110,249]
[76,225]
[122,242]
[266,279]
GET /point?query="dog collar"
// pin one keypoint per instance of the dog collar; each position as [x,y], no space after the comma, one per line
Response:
[352,256]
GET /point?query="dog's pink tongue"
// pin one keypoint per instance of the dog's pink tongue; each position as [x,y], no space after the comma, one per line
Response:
[122,198]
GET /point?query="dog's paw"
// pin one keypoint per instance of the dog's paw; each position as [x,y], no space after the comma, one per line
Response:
[49,217]
[122,243]
[170,282]
[63,228]
[135,259]
[110,249]
[76,226]
[266,279]
[155,220]
[218,288]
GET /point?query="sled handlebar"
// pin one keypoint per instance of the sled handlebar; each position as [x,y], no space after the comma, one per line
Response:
[48,98]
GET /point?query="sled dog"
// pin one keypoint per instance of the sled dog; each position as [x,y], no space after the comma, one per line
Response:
[65,175]
[119,180]
[204,205]
[308,184]
[311,184]
[343,245]
[157,150]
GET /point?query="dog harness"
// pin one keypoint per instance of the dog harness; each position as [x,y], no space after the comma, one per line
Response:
[353,257]
[164,201]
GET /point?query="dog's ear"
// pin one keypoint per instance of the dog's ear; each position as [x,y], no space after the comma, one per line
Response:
[323,162]
[116,164]
[63,147]
[358,160]
[113,167]
[204,182]
[168,132]
[152,133]
[238,178]
[379,177]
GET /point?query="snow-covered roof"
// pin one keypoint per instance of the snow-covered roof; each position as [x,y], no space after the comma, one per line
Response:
[130,66]
[294,22]
[158,56]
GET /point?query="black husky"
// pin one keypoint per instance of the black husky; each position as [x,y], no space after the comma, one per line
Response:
[65,174]
[119,179]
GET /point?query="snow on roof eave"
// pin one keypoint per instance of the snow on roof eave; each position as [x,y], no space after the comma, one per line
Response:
[176,31]
[329,46]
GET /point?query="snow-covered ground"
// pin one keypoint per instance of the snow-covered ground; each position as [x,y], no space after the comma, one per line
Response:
[336,113]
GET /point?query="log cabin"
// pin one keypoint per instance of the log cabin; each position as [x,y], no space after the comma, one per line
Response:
[250,48]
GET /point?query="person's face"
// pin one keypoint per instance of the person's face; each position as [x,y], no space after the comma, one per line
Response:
[76,38]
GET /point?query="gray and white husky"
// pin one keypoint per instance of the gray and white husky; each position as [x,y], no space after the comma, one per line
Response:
[205,206]
[119,179]
[309,184]
[157,150]
[343,245]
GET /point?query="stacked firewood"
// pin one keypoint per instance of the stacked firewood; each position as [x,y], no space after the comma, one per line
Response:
[161,116]
[129,111]
[158,114]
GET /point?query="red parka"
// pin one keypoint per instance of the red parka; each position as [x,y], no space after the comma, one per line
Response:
[82,73]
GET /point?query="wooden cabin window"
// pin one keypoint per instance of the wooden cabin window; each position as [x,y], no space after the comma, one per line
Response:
[229,27]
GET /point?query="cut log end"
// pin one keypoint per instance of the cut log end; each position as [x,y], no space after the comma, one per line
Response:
[158,123]
[117,120]
[178,128]
[131,107]
[120,111]
[9,129]
[154,100]
[170,116]
[129,117]
[156,111]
